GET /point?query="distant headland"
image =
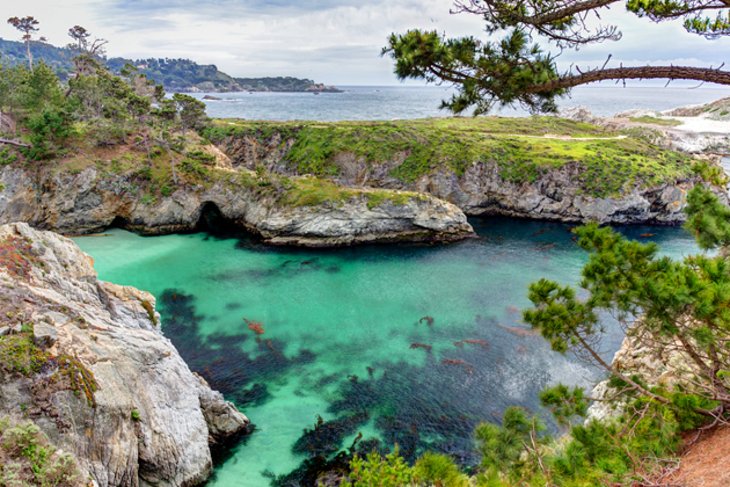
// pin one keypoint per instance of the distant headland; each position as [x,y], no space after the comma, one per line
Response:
[176,75]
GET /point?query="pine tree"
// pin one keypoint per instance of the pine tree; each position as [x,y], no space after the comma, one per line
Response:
[517,70]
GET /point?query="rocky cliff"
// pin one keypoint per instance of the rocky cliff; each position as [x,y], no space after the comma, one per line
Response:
[293,211]
[540,168]
[659,364]
[86,362]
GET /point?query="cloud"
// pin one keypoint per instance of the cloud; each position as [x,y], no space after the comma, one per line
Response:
[334,41]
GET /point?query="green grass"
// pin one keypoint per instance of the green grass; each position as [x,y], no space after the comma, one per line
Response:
[312,191]
[665,122]
[521,148]
[381,197]
[315,192]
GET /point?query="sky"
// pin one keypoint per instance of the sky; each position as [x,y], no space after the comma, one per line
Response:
[331,41]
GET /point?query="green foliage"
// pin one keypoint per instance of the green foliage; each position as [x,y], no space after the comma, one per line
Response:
[190,111]
[516,68]
[501,73]
[612,451]
[315,192]
[150,309]
[503,447]
[438,470]
[565,403]
[711,173]
[20,355]
[80,379]
[27,458]
[48,132]
[380,197]
[193,167]
[664,122]
[7,156]
[376,471]
[38,90]
[97,109]
[522,149]
[708,219]
[686,301]
[685,311]
[135,415]
[696,20]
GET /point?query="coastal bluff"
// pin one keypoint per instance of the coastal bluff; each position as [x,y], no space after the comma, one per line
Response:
[545,168]
[87,363]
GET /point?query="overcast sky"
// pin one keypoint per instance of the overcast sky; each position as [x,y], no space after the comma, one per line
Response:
[332,41]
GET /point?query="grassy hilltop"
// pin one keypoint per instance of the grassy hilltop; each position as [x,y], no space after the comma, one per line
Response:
[522,148]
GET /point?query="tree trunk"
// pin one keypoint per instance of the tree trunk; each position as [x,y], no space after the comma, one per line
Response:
[30,55]
[640,72]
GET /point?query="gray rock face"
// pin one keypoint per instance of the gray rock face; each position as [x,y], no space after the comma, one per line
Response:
[88,202]
[556,195]
[111,388]
[666,365]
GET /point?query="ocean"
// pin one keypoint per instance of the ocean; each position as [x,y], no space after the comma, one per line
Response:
[407,102]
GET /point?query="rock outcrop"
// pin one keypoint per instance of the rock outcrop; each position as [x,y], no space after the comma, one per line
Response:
[86,361]
[666,365]
[696,130]
[557,194]
[89,201]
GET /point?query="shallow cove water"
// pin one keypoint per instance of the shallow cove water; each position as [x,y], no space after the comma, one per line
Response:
[406,344]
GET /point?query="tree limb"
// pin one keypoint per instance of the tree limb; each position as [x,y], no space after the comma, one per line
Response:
[16,143]
[639,72]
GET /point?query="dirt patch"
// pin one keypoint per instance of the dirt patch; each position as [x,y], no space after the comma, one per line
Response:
[706,463]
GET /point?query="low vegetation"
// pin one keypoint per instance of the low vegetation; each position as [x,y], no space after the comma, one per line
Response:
[20,355]
[522,149]
[664,122]
[28,458]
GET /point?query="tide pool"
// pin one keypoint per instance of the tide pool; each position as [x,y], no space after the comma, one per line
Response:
[405,344]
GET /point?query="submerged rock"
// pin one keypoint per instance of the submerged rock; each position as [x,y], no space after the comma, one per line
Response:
[92,369]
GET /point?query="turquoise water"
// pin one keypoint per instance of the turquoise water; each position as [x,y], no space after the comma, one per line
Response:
[346,334]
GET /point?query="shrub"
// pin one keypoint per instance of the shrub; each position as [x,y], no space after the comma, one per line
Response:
[438,470]
[377,471]
[7,156]
[27,458]
[48,131]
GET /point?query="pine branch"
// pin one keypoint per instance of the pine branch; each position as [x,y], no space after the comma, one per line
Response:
[640,72]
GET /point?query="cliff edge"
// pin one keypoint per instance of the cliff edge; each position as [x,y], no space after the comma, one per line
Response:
[86,362]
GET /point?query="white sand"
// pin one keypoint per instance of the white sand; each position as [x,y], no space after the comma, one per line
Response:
[702,125]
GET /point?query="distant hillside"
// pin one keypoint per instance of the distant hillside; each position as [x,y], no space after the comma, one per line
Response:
[180,75]
[59,58]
